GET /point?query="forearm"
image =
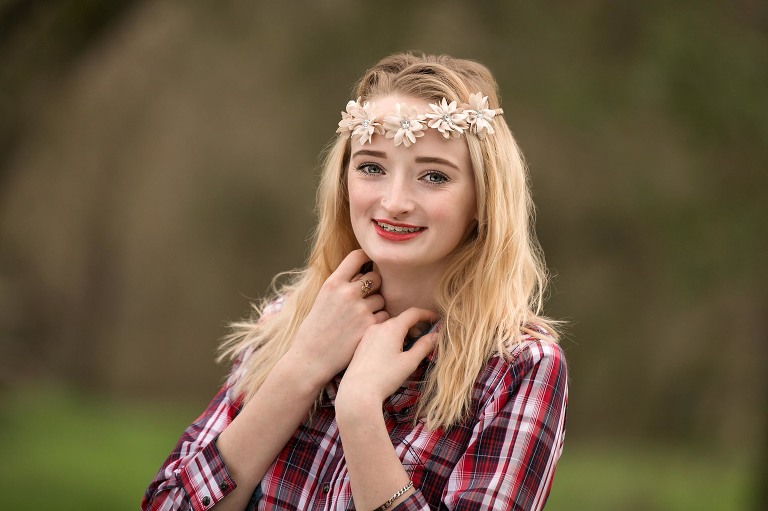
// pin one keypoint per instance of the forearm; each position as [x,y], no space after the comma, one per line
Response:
[264,426]
[375,470]
[378,369]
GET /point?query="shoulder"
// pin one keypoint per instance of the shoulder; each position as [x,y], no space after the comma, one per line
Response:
[239,367]
[533,352]
[272,308]
[246,351]
[523,357]
[532,361]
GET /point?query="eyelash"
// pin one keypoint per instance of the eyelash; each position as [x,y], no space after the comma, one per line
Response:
[443,178]
[361,168]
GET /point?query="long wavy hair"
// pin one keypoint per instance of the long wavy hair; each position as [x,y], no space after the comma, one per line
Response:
[490,296]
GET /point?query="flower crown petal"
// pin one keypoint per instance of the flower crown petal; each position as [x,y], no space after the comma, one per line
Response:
[406,124]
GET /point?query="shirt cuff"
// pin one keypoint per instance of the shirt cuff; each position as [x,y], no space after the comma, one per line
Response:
[414,502]
[205,478]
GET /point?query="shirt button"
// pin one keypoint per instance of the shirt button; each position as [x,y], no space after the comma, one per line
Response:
[223,486]
[206,500]
[326,488]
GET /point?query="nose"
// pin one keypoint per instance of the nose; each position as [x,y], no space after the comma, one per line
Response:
[398,198]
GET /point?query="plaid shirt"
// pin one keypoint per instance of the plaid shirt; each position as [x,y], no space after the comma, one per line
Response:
[502,457]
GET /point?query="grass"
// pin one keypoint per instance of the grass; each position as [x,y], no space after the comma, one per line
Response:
[66,451]
[633,478]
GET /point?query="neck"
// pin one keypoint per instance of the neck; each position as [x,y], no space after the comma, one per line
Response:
[406,288]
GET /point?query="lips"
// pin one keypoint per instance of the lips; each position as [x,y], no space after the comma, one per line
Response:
[396,231]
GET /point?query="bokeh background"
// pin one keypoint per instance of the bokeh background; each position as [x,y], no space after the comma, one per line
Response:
[158,161]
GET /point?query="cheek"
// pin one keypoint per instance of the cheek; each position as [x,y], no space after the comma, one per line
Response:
[470,202]
[358,198]
[461,209]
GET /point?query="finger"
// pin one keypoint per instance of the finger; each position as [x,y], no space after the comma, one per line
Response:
[371,275]
[371,278]
[410,317]
[381,316]
[422,347]
[419,329]
[375,302]
[350,265]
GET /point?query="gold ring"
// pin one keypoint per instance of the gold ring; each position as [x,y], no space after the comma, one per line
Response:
[365,287]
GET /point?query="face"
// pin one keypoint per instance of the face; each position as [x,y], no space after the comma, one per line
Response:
[410,207]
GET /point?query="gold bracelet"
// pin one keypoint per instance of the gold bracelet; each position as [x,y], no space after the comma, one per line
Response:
[394,497]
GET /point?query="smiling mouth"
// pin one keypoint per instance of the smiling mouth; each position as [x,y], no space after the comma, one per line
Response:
[398,228]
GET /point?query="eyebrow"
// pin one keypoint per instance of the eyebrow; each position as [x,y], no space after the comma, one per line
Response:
[368,152]
[420,159]
[435,159]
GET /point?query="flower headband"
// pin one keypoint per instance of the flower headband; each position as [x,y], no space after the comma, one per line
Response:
[405,125]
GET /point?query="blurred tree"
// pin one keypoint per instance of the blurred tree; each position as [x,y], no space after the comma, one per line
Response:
[156,165]
[39,41]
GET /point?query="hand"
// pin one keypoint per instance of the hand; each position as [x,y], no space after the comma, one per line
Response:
[380,365]
[343,310]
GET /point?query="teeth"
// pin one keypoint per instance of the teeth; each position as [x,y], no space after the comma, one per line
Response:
[394,228]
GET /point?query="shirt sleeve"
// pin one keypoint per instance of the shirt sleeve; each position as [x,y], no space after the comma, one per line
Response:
[194,477]
[517,440]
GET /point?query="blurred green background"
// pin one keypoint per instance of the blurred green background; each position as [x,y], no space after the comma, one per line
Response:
[158,161]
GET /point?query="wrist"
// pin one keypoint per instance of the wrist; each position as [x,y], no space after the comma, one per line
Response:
[302,372]
[356,406]
[397,496]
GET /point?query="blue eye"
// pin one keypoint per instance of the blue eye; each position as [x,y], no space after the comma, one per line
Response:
[435,178]
[369,169]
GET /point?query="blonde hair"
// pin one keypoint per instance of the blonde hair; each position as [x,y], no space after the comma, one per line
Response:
[490,295]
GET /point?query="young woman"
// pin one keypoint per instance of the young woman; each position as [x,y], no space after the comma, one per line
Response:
[408,366]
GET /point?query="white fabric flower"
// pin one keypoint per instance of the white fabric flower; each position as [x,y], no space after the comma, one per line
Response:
[405,126]
[360,121]
[347,118]
[447,118]
[479,116]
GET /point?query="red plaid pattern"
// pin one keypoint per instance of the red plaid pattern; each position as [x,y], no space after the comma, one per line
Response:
[502,457]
